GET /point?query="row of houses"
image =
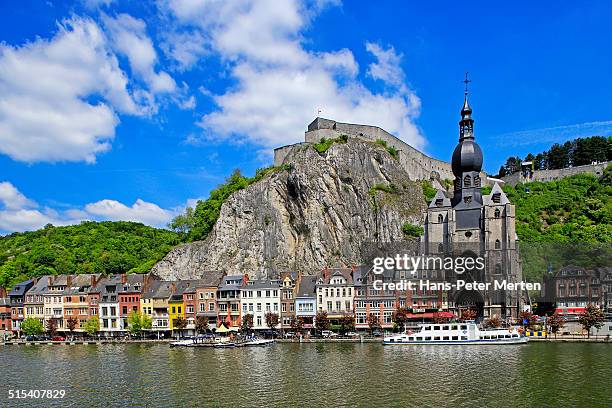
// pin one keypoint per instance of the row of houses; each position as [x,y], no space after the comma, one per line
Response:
[223,299]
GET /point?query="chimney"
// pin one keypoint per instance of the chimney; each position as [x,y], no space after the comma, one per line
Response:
[123,278]
[51,280]
[245,279]
[2,292]
[69,281]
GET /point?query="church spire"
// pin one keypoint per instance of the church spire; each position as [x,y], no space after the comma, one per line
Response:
[466,125]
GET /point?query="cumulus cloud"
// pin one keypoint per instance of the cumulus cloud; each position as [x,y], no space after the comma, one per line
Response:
[18,213]
[280,85]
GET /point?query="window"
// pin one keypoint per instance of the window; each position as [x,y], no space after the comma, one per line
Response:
[498,268]
[497,244]
[496,198]
[440,247]
[467,181]
[440,218]
[497,213]
[211,306]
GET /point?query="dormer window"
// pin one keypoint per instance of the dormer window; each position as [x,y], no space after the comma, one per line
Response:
[496,198]
[439,202]
[477,181]
[467,181]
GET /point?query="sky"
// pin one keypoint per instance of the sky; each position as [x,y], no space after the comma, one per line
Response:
[129,110]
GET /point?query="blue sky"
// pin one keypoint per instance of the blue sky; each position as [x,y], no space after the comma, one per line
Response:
[121,110]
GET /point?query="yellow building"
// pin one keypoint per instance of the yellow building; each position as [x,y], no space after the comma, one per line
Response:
[176,309]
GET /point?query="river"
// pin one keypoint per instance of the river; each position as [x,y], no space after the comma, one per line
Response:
[308,375]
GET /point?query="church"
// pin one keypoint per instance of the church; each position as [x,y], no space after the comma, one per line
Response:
[467,223]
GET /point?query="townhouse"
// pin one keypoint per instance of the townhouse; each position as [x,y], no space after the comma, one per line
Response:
[16,300]
[108,306]
[306,301]
[375,300]
[289,282]
[258,298]
[130,291]
[33,305]
[53,299]
[155,303]
[336,293]
[76,304]
[228,300]
[5,314]
[206,297]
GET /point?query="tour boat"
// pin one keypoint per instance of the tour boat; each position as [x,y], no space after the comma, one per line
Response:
[224,345]
[182,343]
[456,333]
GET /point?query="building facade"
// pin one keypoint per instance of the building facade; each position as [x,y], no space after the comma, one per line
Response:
[336,293]
[258,298]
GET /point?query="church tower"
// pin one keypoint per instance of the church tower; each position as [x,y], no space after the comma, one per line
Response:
[464,223]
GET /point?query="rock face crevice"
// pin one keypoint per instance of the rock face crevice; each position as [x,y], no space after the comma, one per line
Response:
[318,210]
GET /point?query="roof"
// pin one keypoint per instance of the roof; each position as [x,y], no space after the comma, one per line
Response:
[307,287]
[21,288]
[150,291]
[261,284]
[40,286]
[328,273]
[224,285]
[436,203]
[503,199]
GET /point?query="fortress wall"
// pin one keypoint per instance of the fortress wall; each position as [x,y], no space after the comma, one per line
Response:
[551,175]
[281,153]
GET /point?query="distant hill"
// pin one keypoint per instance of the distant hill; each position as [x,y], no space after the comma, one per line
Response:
[91,247]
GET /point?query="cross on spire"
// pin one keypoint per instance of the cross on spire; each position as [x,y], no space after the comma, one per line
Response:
[466,81]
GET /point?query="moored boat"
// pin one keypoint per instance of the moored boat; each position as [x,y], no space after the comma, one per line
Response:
[258,342]
[456,333]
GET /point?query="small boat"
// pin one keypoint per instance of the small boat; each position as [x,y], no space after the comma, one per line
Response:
[456,333]
[258,342]
[224,345]
[182,343]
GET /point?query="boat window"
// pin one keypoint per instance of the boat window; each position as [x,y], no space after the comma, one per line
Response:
[427,328]
[436,327]
[419,338]
[437,338]
[515,335]
[464,327]
[427,338]
[453,327]
[445,338]
[392,340]
[507,336]
[486,337]
[463,337]
[444,327]
[455,337]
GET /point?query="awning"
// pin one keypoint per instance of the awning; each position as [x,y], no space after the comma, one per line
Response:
[430,315]
[569,310]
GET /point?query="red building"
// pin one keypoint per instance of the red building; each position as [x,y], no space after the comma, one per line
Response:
[5,313]
[132,287]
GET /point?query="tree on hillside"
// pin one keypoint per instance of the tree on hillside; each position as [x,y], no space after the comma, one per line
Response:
[183,223]
[271,320]
[322,321]
[52,327]
[92,326]
[247,323]
[592,316]
[201,324]
[555,322]
[32,327]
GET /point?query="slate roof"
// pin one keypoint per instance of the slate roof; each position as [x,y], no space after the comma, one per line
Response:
[307,287]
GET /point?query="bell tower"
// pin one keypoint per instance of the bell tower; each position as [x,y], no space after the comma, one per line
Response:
[466,165]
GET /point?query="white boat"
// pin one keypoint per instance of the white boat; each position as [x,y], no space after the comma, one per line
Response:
[182,343]
[258,342]
[456,333]
[224,345]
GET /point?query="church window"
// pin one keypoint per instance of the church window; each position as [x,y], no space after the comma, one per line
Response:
[497,244]
[439,202]
[497,213]
[468,234]
[467,199]
[440,218]
[477,181]
[497,198]
[467,181]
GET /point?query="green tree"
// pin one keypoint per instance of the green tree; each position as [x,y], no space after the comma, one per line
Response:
[412,231]
[92,325]
[180,323]
[297,324]
[32,327]
[592,316]
[183,223]
[400,316]
[322,322]
[136,322]
[347,323]
[373,323]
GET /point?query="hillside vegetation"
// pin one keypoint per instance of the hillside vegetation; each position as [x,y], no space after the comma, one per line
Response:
[90,247]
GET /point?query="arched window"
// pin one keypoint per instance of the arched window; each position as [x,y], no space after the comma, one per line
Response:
[497,213]
[497,244]
[477,181]
[440,218]
[467,181]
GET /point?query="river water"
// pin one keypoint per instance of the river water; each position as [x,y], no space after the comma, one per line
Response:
[308,375]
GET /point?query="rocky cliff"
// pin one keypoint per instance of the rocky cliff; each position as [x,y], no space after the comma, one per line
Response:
[317,209]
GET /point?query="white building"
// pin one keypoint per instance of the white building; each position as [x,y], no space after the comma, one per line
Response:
[108,306]
[306,301]
[258,298]
[336,292]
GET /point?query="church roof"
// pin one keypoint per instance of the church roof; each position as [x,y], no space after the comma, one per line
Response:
[436,203]
[490,199]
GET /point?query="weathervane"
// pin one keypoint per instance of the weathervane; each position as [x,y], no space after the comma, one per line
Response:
[466,81]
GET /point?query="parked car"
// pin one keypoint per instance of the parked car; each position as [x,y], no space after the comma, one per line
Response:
[289,335]
[377,333]
[352,334]
[58,338]
[328,333]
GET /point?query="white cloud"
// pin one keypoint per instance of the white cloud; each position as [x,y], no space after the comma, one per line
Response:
[387,67]
[45,88]
[279,85]
[129,37]
[18,213]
